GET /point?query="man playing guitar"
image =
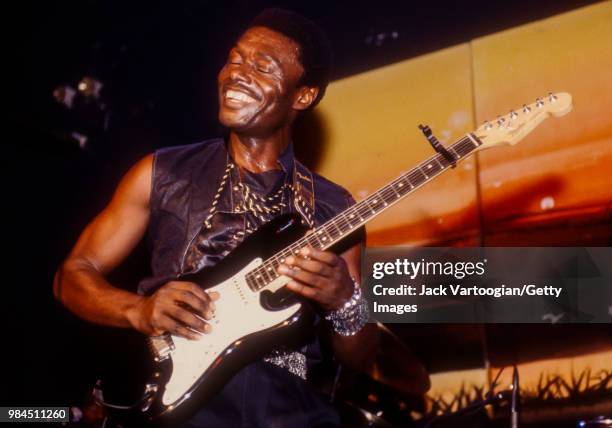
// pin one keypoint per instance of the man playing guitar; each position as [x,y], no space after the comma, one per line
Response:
[198,202]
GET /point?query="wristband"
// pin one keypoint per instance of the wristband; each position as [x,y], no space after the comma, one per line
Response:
[349,319]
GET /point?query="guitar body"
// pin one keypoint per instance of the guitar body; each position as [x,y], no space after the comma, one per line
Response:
[246,325]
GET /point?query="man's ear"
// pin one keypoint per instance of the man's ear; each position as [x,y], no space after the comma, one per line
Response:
[305,97]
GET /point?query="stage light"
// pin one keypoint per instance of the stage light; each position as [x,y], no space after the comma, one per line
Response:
[64,95]
[90,87]
[80,138]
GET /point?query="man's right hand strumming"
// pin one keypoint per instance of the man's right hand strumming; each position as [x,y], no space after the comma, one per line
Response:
[178,307]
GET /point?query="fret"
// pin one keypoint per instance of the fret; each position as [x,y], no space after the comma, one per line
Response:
[375,202]
[389,195]
[424,172]
[367,203]
[283,255]
[343,224]
[457,155]
[314,241]
[270,268]
[311,240]
[332,229]
[407,179]
[272,262]
[439,160]
[353,217]
[417,177]
[403,185]
[295,249]
[386,197]
[363,209]
[251,282]
[324,237]
[445,163]
[265,274]
[394,189]
[259,277]
[431,168]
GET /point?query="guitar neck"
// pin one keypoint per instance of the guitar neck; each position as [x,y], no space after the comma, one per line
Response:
[343,224]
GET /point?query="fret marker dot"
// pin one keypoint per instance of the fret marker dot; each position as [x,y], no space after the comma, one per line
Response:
[400,185]
[375,200]
[325,238]
[429,166]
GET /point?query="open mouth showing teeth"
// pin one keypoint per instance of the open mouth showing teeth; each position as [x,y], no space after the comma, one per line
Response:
[238,96]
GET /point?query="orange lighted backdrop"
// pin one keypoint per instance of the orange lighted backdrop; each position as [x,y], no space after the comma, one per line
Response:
[554,188]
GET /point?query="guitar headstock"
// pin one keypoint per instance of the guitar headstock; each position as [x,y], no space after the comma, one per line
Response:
[514,126]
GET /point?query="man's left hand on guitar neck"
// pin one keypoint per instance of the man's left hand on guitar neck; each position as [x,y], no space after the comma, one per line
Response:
[321,276]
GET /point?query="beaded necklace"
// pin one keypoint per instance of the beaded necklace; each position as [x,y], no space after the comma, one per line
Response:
[262,208]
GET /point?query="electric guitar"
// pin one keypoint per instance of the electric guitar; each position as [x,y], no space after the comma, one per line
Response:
[250,319]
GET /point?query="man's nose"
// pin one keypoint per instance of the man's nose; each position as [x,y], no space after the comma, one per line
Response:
[239,74]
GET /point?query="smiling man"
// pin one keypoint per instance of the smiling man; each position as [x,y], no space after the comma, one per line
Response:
[198,202]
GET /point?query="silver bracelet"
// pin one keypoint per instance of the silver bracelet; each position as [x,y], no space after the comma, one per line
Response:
[352,316]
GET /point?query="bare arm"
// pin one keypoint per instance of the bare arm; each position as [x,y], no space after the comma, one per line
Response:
[80,282]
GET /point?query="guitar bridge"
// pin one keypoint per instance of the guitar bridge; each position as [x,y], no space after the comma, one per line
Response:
[161,347]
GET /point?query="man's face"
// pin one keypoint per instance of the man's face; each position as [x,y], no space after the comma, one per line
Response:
[258,86]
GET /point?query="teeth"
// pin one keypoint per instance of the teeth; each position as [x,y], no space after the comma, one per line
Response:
[240,96]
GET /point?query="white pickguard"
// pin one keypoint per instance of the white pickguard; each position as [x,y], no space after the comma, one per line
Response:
[238,313]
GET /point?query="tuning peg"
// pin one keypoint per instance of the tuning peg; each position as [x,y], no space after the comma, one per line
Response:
[552,97]
[513,114]
[526,108]
[539,102]
[500,121]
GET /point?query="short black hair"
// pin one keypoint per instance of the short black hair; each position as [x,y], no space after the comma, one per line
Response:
[315,48]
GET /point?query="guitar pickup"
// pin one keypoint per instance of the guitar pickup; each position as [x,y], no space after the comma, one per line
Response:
[161,346]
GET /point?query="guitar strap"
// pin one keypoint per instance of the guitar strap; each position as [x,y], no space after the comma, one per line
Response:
[304,197]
